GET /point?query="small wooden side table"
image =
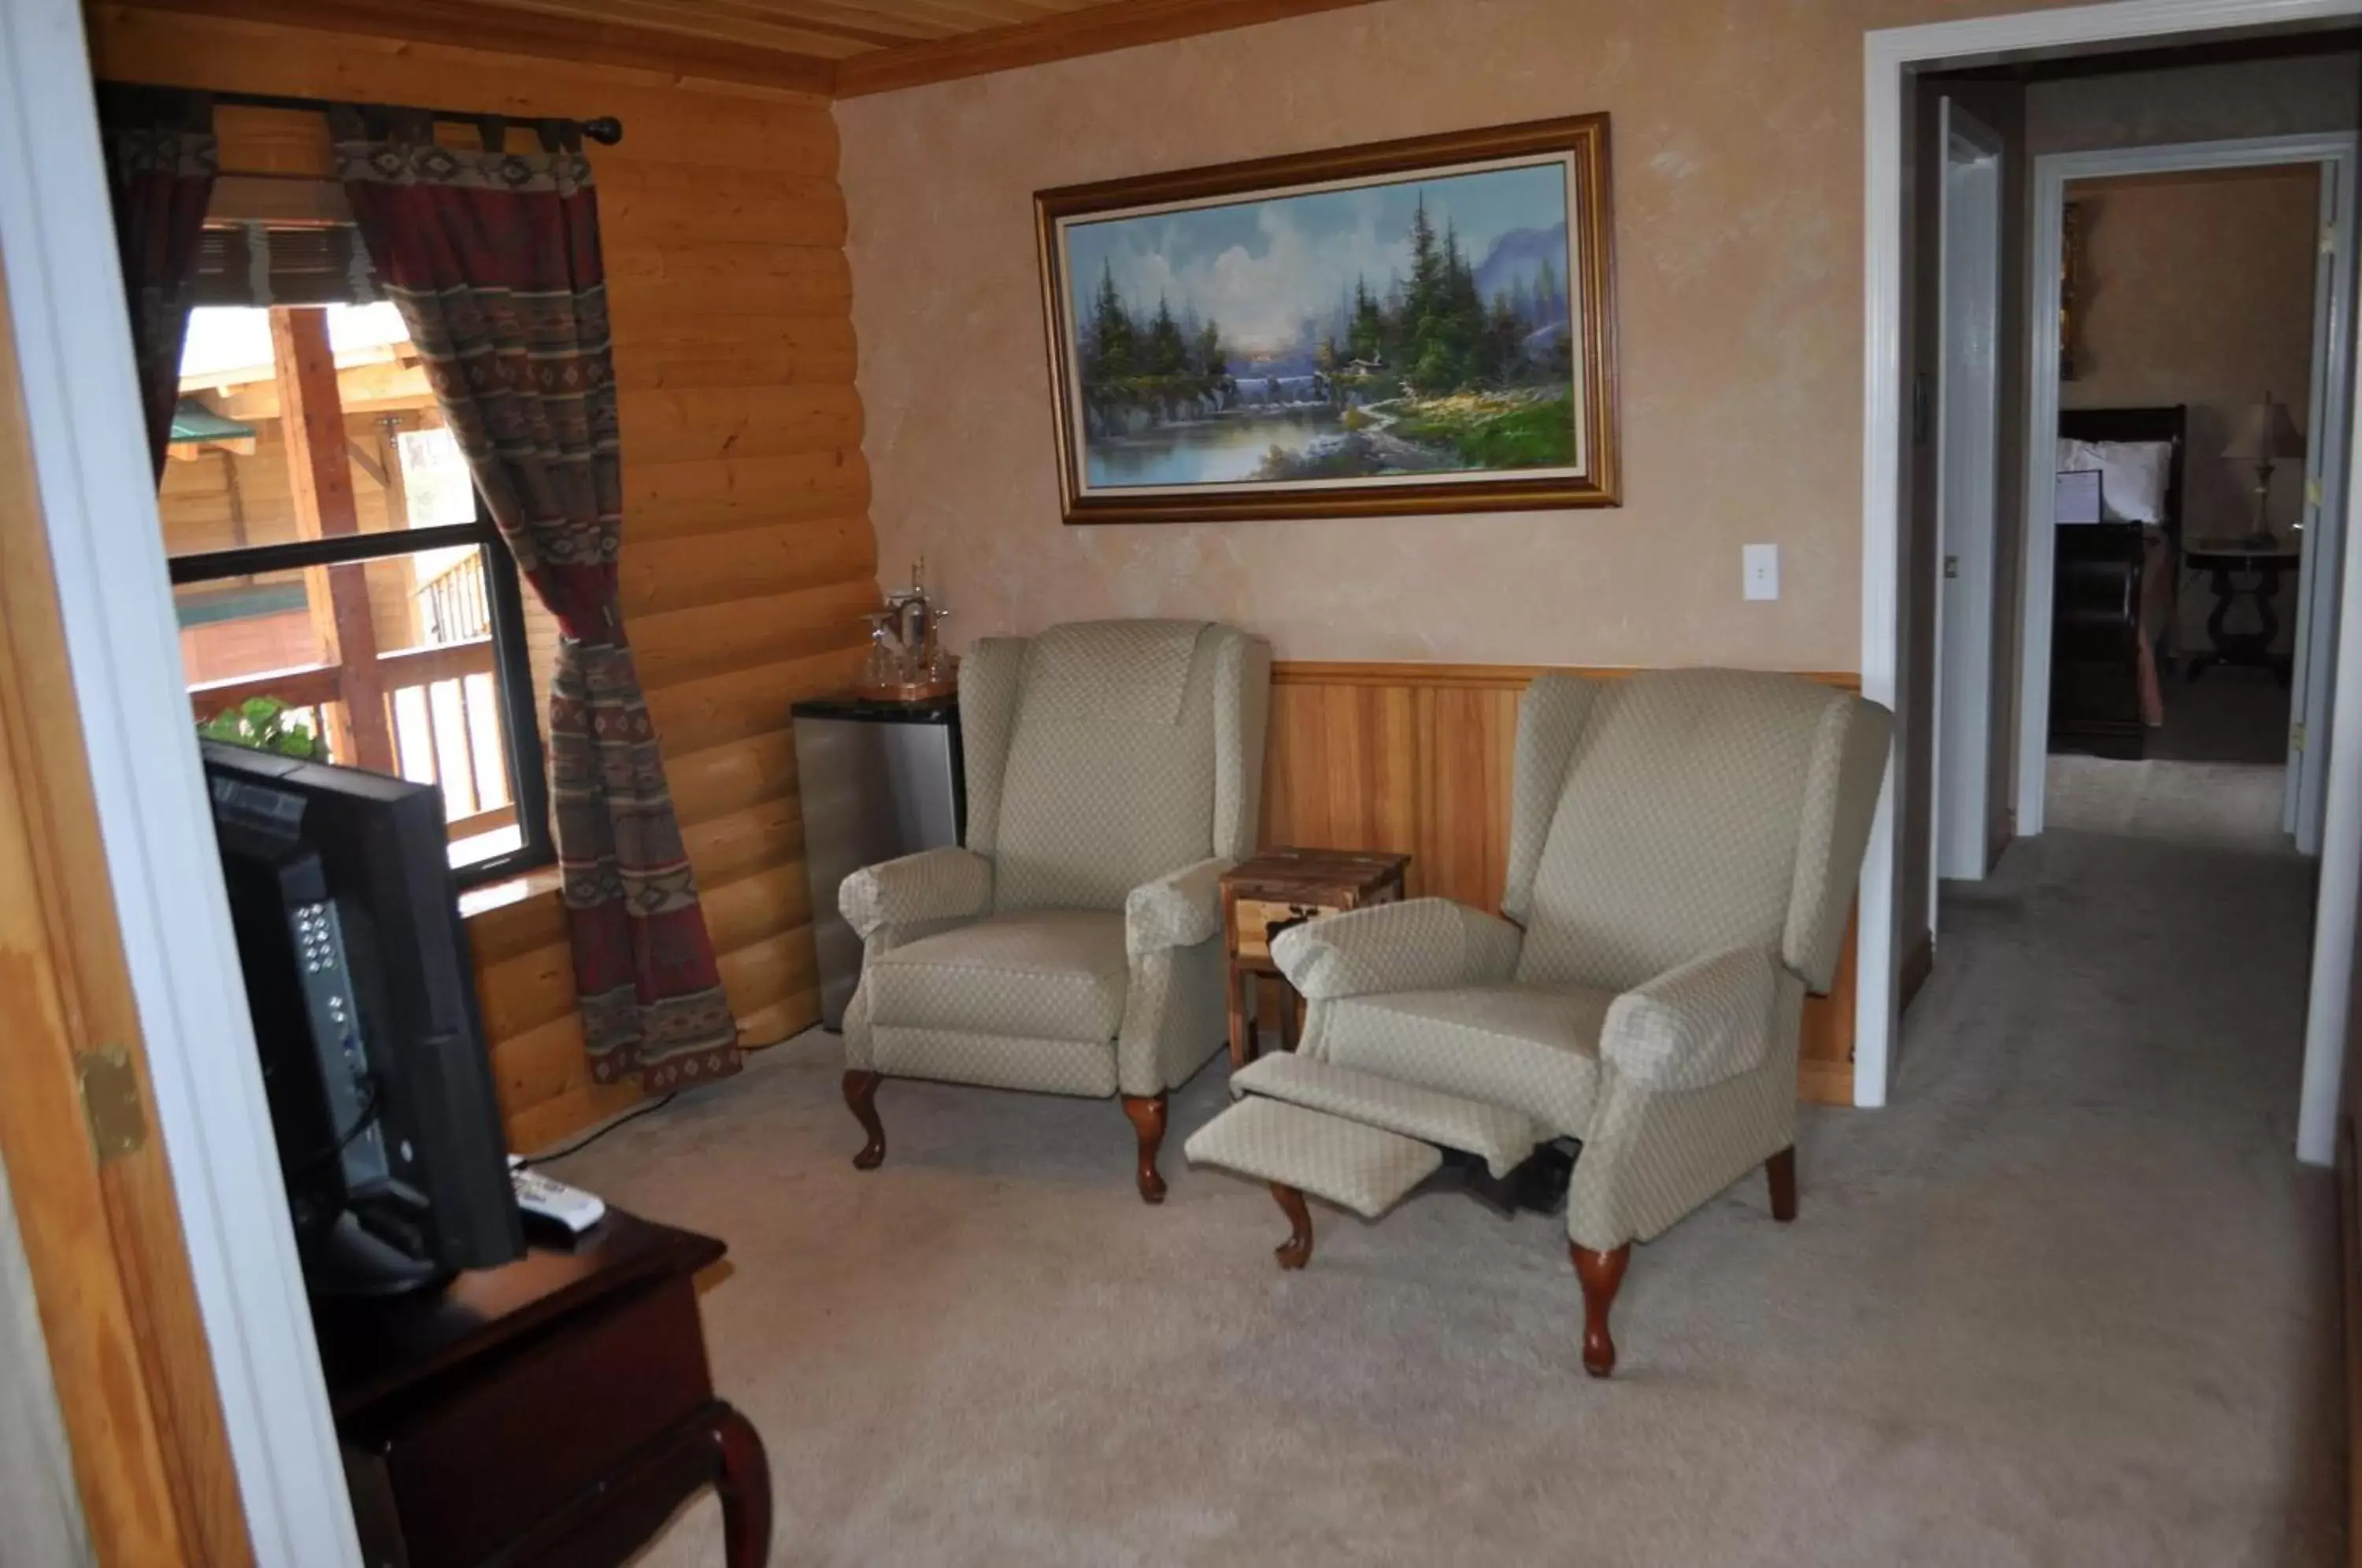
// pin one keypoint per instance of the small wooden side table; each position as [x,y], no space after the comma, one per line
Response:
[2241,570]
[551,1413]
[1281,888]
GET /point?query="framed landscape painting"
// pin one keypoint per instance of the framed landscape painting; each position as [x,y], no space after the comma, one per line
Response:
[1420,325]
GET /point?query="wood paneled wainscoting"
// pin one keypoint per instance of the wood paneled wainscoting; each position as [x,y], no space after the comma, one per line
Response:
[1417,758]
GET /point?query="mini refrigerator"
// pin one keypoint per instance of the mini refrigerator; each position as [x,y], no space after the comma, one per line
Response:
[878,780]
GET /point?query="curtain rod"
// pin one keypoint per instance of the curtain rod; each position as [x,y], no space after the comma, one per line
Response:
[606,130]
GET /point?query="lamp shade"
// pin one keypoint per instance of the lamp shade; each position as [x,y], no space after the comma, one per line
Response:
[2263,432]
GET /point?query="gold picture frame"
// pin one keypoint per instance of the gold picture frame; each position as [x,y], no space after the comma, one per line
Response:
[1417,326]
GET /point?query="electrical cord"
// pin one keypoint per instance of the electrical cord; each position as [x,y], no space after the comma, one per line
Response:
[585,1142]
[363,1121]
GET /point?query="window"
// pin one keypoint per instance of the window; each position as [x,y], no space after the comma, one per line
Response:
[330,561]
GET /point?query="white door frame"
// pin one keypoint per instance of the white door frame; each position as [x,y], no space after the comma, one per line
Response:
[2312,683]
[1889,56]
[1960,721]
[2332,353]
[90,456]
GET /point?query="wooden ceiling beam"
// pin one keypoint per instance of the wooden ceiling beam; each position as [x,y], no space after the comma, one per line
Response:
[1096,30]
[488,26]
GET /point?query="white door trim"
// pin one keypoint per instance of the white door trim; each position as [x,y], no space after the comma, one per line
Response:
[2052,172]
[73,332]
[1888,55]
[1960,718]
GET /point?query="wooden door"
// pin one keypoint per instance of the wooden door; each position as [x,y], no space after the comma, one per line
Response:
[93,1192]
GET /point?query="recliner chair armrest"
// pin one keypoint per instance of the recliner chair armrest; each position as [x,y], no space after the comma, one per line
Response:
[932,884]
[1703,1022]
[1417,945]
[1180,908]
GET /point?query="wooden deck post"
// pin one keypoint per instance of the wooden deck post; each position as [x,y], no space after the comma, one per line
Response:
[312,421]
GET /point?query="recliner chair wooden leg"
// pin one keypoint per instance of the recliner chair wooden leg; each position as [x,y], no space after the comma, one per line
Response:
[1600,1273]
[1147,1113]
[861,1099]
[1296,1251]
[1779,1170]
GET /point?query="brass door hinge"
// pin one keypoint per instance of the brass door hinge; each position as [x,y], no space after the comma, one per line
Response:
[2296,737]
[110,1103]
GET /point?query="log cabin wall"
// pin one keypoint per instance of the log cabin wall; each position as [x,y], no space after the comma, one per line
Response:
[1417,758]
[748,555]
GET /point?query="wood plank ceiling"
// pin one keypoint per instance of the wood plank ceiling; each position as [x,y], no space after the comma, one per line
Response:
[839,48]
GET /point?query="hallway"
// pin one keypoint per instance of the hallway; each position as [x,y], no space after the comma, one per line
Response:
[2070,1300]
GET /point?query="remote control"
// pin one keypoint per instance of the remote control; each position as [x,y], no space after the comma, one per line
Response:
[539,1197]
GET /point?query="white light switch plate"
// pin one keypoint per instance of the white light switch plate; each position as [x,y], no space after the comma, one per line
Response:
[1762,571]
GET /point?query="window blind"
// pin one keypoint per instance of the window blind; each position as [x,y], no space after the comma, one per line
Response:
[262,264]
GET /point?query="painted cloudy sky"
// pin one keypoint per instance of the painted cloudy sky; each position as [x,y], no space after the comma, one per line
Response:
[1260,267]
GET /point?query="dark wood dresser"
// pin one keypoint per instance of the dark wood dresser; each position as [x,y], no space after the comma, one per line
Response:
[555,1411]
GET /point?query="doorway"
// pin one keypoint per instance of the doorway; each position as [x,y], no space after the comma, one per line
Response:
[2171,645]
[1895,60]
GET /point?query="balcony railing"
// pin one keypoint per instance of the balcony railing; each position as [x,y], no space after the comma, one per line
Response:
[443,713]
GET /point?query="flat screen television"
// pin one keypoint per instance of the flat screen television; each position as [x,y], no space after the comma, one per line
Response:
[359,981]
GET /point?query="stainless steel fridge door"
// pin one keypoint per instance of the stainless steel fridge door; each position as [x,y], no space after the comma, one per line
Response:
[873,790]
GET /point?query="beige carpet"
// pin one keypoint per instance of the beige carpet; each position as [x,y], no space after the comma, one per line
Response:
[2069,1301]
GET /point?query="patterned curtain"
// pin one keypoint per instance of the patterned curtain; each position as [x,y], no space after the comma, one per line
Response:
[492,257]
[160,164]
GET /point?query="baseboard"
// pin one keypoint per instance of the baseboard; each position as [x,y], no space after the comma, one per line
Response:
[1917,964]
[1825,1083]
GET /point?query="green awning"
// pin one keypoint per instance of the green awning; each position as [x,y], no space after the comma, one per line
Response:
[192,421]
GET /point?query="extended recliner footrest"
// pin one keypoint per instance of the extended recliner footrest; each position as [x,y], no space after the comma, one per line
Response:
[1354,1138]
[1502,1137]
[1362,1168]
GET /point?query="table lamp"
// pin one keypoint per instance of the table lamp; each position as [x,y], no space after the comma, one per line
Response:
[2261,434]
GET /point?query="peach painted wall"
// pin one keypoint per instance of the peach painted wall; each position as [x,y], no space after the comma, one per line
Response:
[1737,152]
[2201,292]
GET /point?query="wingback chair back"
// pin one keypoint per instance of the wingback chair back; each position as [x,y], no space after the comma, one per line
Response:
[1670,815]
[1103,755]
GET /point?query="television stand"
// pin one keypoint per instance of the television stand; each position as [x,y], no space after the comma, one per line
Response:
[554,1410]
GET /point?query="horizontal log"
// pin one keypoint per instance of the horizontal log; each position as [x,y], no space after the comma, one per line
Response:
[745,364]
[688,645]
[670,501]
[285,142]
[745,702]
[525,991]
[737,776]
[819,268]
[698,569]
[540,1065]
[669,320]
[781,1021]
[767,972]
[568,1116]
[682,204]
[765,834]
[755,907]
[744,300]
[674,426]
[514,916]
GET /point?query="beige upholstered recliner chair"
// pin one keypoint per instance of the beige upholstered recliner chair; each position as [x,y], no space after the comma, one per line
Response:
[1074,946]
[1682,850]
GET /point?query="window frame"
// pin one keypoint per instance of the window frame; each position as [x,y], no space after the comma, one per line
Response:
[512,661]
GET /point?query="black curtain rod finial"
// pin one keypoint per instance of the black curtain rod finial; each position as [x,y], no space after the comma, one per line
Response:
[606,130]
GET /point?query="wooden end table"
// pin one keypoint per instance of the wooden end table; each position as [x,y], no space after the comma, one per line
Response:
[1280,888]
[2241,570]
[551,1413]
